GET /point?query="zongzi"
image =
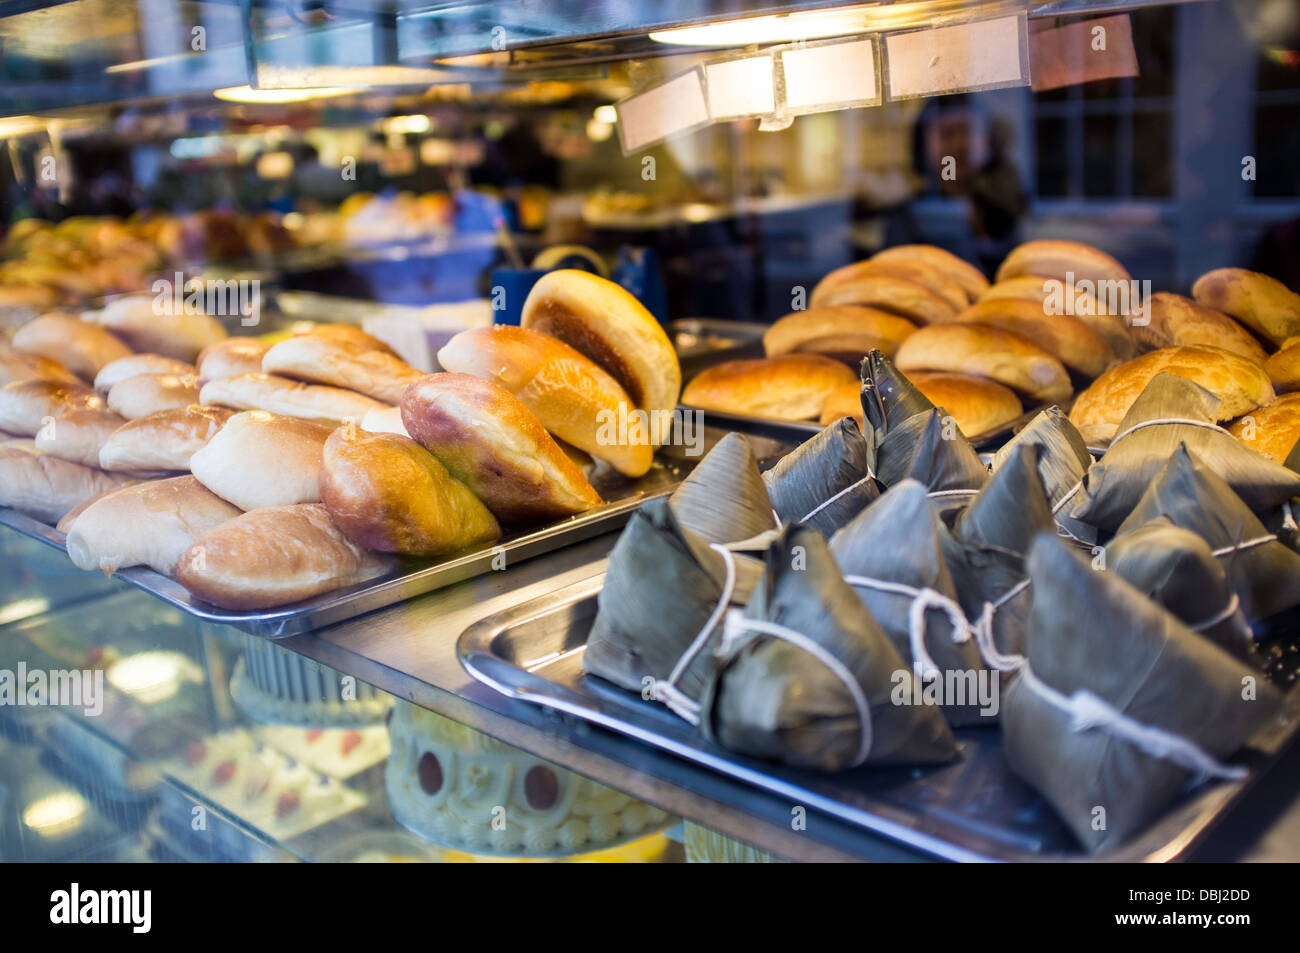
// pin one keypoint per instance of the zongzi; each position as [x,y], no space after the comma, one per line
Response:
[1062,462]
[929,447]
[827,480]
[888,398]
[806,677]
[724,499]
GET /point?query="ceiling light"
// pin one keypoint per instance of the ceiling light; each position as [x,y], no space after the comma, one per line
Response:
[770,29]
[247,94]
[607,114]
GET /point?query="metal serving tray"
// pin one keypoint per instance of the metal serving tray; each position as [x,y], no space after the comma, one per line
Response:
[975,809]
[770,440]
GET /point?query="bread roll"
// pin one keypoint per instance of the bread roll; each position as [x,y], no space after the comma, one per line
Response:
[16,365]
[1283,368]
[1066,338]
[1049,294]
[1064,261]
[908,269]
[147,394]
[970,278]
[83,348]
[384,420]
[149,524]
[65,522]
[162,441]
[599,319]
[46,487]
[496,446]
[341,363]
[137,364]
[262,459]
[1273,429]
[387,493]
[26,405]
[990,352]
[1240,384]
[78,435]
[787,387]
[907,299]
[572,397]
[1175,320]
[978,405]
[350,334]
[1263,304]
[148,324]
[274,556]
[230,358]
[843,332]
[279,395]
[843,401]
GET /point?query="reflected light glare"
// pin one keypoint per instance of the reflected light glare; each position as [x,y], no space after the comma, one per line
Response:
[246,94]
[769,29]
[606,114]
[598,131]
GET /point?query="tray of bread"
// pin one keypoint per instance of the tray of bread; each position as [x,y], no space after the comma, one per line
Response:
[293,480]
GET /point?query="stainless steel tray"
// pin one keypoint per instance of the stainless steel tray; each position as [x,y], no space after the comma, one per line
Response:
[975,809]
[770,440]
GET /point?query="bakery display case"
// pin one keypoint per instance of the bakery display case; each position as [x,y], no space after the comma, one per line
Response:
[636,432]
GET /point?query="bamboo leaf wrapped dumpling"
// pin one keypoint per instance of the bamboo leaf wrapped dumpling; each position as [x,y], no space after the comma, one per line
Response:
[891,553]
[1264,573]
[807,678]
[1063,460]
[928,447]
[827,480]
[1172,411]
[888,397]
[1120,706]
[724,498]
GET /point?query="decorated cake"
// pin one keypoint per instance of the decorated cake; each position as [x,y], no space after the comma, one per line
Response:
[462,789]
[271,684]
[704,846]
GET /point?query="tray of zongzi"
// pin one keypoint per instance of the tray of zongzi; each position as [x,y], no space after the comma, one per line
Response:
[413,577]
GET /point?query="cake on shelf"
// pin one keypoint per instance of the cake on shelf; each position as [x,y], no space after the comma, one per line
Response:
[274,685]
[704,846]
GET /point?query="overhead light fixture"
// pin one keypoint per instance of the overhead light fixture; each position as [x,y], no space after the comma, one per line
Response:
[784,28]
[247,94]
[400,125]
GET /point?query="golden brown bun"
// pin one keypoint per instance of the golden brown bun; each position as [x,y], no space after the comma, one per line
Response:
[387,493]
[147,394]
[843,401]
[25,405]
[989,352]
[273,556]
[1064,337]
[230,358]
[930,278]
[1059,260]
[16,365]
[1272,429]
[572,396]
[162,441]
[350,334]
[599,319]
[970,278]
[1049,293]
[1175,320]
[907,299]
[279,395]
[137,364]
[1242,385]
[1283,368]
[149,524]
[978,405]
[843,332]
[491,442]
[262,459]
[145,326]
[78,434]
[46,487]
[30,298]
[328,359]
[82,348]
[1263,304]
[787,387]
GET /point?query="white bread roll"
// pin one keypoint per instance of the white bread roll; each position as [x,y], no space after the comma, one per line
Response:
[83,348]
[1082,304]
[46,487]
[786,387]
[888,292]
[273,556]
[263,459]
[985,351]
[162,441]
[572,397]
[147,394]
[326,359]
[78,435]
[136,364]
[148,324]
[603,321]
[1263,304]
[149,524]
[230,358]
[843,332]
[1060,260]
[1063,336]
[385,420]
[25,406]
[908,269]
[970,278]
[279,395]
[16,365]
[349,334]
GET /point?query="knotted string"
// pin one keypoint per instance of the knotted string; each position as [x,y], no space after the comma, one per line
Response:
[983,629]
[922,601]
[1161,421]
[827,502]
